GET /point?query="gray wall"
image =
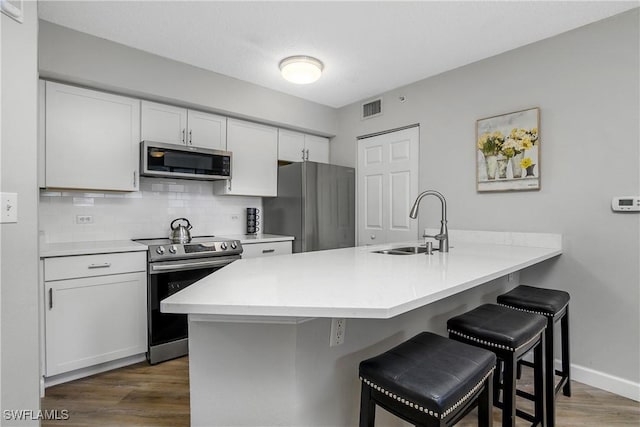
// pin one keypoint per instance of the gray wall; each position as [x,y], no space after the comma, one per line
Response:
[586,85]
[19,299]
[76,57]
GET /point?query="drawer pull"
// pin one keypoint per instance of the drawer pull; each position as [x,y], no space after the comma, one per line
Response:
[268,251]
[103,265]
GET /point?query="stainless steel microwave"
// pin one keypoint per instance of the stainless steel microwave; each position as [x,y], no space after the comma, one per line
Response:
[185,162]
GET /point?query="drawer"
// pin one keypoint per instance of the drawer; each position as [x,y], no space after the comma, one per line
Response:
[69,267]
[255,250]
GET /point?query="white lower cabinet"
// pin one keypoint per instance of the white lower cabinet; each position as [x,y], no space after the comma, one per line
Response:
[254,250]
[97,318]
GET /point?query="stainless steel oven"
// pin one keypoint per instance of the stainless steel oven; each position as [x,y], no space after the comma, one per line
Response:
[171,268]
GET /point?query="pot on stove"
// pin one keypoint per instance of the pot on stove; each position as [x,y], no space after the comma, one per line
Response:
[180,232]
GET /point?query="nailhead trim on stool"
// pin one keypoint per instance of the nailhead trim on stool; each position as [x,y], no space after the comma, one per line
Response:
[510,335]
[544,313]
[428,380]
[493,344]
[423,409]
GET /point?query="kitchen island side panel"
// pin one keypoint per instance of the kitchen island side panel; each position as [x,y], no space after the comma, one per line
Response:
[247,374]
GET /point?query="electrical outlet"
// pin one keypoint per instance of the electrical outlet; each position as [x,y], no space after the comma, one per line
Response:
[235,217]
[338,329]
[9,207]
[84,219]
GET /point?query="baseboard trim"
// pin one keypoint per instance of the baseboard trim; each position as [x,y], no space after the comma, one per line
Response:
[610,383]
[91,370]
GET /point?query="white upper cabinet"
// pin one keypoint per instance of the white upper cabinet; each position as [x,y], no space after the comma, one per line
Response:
[299,147]
[91,139]
[163,123]
[175,125]
[254,163]
[317,148]
[207,130]
[290,146]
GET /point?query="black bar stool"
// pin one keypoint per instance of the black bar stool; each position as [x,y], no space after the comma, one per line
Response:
[554,305]
[510,334]
[429,381]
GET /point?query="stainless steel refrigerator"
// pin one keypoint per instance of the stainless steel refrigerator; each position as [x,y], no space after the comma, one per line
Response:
[315,204]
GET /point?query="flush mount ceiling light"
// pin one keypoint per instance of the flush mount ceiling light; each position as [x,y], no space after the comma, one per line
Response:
[301,69]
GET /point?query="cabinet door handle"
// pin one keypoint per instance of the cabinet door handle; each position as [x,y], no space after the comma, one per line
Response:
[303,154]
[103,265]
[183,135]
[50,298]
[134,180]
[190,137]
[307,155]
[268,251]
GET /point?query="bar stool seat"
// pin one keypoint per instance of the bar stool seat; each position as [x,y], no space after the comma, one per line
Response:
[428,380]
[548,302]
[554,305]
[510,334]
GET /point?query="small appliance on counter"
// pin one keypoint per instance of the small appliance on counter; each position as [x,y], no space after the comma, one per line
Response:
[171,267]
[180,233]
[253,220]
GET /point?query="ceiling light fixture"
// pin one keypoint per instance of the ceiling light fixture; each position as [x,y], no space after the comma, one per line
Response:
[301,69]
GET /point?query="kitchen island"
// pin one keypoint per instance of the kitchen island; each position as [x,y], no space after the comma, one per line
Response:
[259,329]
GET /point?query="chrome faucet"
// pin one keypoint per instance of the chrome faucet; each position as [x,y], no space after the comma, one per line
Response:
[443,236]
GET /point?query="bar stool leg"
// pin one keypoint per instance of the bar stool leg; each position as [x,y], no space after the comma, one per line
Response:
[497,380]
[542,411]
[485,404]
[367,407]
[566,369]
[508,392]
[549,362]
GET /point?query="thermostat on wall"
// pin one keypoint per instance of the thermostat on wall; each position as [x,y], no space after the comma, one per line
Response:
[626,203]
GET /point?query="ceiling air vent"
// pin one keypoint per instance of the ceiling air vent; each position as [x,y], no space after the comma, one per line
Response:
[372,108]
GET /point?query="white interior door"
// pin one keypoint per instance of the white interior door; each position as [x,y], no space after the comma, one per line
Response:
[387,186]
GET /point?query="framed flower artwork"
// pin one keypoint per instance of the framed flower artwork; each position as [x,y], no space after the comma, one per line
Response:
[508,152]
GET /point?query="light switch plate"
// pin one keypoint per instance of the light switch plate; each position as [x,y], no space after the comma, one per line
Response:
[8,208]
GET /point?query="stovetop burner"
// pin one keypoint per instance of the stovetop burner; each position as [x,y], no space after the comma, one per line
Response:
[162,249]
[167,241]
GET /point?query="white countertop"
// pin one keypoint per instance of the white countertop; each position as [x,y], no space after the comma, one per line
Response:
[247,239]
[89,248]
[351,282]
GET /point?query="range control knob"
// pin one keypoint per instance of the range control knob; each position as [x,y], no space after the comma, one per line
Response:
[234,245]
[160,250]
[173,249]
[223,246]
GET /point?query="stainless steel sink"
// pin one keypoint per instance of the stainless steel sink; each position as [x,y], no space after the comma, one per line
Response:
[407,250]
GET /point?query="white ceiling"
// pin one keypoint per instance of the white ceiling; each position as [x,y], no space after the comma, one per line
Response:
[367,47]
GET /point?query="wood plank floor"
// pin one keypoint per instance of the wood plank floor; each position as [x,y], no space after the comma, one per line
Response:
[157,396]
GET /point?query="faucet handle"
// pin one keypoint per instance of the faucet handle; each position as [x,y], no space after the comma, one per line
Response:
[436,236]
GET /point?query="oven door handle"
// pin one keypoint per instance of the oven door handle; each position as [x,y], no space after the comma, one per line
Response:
[189,265]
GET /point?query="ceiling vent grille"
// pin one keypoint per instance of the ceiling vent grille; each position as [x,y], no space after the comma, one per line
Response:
[372,108]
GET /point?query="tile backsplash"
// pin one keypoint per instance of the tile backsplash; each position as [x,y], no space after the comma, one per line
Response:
[78,216]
